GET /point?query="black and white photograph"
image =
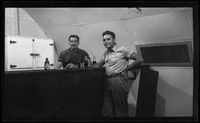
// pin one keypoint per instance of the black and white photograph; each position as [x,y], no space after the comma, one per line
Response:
[81,61]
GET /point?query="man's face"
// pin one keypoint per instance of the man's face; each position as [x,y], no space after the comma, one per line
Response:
[108,41]
[73,42]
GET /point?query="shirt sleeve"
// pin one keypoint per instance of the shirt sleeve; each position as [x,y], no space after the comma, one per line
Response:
[84,53]
[102,59]
[127,52]
[60,58]
[87,55]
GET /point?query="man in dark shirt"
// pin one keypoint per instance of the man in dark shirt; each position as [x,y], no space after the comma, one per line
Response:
[71,57]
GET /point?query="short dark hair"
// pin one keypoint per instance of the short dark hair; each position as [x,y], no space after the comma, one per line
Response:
[109,33]
[76,36]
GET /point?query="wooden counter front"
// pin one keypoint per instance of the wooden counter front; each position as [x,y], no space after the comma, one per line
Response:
[47,95]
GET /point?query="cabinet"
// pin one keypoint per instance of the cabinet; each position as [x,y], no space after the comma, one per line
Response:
[25,53]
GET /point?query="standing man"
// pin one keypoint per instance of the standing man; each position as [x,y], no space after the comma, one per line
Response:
[116,62]
[71,57]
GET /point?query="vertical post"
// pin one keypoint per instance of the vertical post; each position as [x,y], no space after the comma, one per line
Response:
[18,22]
[146,101]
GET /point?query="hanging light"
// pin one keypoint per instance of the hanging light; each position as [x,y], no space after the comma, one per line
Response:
[138,10]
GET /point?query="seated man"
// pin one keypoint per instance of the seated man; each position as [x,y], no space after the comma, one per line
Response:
[71,57]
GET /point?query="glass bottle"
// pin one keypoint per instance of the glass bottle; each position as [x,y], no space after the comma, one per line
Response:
[46,64]
[86,62]
[79,63]
[94,60]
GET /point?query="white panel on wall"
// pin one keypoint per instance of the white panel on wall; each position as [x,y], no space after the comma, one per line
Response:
[159,28]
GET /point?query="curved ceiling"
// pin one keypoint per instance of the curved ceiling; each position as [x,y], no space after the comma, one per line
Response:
[78,16]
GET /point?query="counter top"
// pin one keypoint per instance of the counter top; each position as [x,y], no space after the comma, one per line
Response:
[56,70]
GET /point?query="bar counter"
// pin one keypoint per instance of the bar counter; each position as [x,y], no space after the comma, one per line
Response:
[53,95]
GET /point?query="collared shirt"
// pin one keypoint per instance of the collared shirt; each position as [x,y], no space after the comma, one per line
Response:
[116,60]
[72,56]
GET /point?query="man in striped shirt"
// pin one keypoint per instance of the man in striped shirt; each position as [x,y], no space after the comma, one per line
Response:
[116,62]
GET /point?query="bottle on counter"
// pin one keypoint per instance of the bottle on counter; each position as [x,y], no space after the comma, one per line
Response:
[82,65]
[86,61]
[94,60]
[46,64]
[79,63]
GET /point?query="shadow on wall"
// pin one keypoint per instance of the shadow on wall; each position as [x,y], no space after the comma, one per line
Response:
[132,110]
[134,77]
[171,101]
[132,101]
[160,105]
